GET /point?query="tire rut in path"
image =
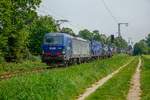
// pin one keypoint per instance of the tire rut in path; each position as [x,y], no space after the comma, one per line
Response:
[135,91]
[101,82]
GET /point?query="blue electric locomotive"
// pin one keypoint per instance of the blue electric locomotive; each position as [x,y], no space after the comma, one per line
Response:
[61,48]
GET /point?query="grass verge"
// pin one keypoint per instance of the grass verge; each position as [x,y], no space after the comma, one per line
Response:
[116,88]
[59,84]
[145,78]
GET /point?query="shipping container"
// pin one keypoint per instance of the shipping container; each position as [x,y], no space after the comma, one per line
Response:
[80,47]
[96,49]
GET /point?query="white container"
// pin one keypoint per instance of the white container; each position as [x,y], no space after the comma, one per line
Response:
[80,47]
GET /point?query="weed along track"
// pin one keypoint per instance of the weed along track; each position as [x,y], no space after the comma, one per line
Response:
[102,81]
[8,75]
[134,92]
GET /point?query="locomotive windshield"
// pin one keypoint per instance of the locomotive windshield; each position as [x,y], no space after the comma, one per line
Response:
[54,40]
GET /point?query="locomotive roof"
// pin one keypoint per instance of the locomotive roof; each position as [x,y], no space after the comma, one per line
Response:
[58,34]
[64,34]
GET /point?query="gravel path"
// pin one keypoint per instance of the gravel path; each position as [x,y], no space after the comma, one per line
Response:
[135,91]
[98,84]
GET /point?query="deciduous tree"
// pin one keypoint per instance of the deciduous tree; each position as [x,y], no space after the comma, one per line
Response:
[40,26]
[15,16]
[68,31]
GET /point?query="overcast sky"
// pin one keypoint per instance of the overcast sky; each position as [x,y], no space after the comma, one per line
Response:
[92,14]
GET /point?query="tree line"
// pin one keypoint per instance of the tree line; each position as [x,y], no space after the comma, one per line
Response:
[143,46]
[22,30]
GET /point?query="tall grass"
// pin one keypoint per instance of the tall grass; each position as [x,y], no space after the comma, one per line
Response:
[145,78]
[116,88]
[59,84]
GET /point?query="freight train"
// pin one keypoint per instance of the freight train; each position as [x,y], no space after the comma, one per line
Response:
[64,49]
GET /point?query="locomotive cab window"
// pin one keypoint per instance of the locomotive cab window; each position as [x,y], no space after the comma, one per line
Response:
[54,40]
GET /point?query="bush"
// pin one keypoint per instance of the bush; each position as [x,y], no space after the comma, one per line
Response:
[32,57]
[35,58]
[1,58]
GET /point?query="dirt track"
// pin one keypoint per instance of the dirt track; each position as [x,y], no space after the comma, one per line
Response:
[98,84]
[135,91]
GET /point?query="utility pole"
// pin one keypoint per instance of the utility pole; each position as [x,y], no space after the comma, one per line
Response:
[61,21]
[129,41]
[119,28]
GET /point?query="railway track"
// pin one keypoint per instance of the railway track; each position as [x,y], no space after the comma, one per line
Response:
[8,75]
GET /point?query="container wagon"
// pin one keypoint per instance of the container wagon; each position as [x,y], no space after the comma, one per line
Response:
[96,49]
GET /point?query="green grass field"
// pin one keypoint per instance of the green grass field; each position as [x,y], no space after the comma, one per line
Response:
[59,84]
[145,78]
[116,88]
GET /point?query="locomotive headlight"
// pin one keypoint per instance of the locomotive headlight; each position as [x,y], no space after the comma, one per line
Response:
[63,52]
[43,52]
